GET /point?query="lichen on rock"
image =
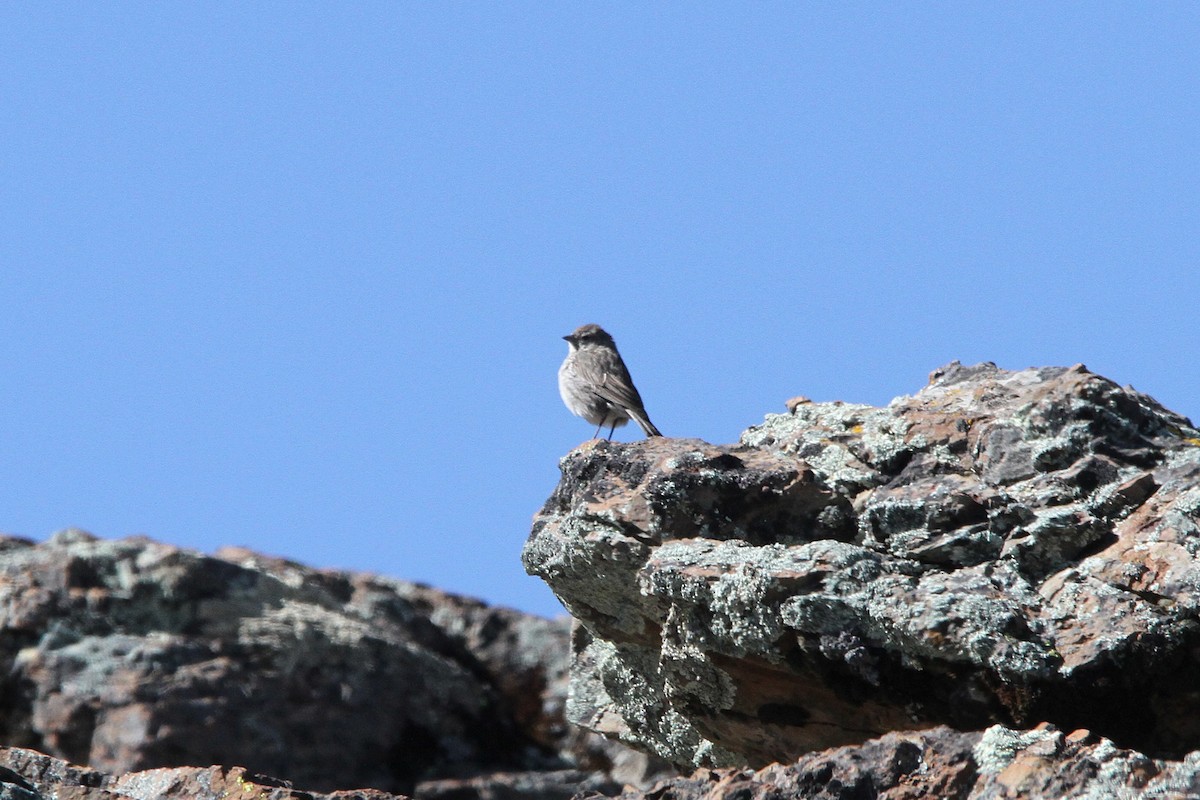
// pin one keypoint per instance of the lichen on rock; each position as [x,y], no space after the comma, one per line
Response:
[999,548]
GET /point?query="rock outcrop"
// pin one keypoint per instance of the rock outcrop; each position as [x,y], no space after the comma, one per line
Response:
[130,655]
[990,589]
[1002,547]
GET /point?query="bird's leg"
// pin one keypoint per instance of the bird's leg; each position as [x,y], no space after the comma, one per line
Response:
[596,435]
[612,429]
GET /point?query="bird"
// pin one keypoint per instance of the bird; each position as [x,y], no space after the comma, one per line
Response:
[595,384]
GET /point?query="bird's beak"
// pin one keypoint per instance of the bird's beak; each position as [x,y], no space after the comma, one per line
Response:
[567,337]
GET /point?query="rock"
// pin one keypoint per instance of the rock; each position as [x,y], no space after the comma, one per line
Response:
[999,548]
[525,657]
[128,655]
[998,763]
[30,775]
[523,785]
[528,658]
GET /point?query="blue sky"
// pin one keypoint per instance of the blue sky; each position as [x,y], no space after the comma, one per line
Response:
[294,275]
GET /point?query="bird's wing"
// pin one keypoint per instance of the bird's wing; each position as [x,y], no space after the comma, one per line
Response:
[612,383]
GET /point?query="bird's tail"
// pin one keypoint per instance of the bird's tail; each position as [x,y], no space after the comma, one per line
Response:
[644,421]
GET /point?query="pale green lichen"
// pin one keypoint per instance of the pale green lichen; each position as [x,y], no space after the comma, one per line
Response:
[999,746]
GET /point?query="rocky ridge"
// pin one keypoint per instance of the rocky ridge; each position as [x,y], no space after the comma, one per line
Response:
[985,590]
[1007,548]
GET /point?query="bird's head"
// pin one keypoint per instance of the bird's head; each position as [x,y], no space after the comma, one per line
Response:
[590,334]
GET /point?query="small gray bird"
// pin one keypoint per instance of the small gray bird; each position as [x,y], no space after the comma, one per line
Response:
[595,384]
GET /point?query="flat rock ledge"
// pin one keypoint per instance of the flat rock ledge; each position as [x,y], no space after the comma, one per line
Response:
[1001,548]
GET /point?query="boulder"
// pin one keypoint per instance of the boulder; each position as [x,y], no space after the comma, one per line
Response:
[1002,547]
[130,655]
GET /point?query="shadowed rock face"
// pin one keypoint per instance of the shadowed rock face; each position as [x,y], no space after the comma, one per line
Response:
[128,655]
[1001,547]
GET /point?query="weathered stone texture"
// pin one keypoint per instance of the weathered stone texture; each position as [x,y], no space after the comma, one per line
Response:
[30,775]
[128,655]
[996,764]
[1001,547]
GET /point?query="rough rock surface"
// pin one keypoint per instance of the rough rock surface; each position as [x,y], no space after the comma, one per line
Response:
[127,655]
[951,765]
[942,763]
[528,659]
[1001,547]
[30,775]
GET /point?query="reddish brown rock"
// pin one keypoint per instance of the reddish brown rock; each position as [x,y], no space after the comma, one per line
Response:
[1040,764]
[519,786]
[29,775]
[941,763]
